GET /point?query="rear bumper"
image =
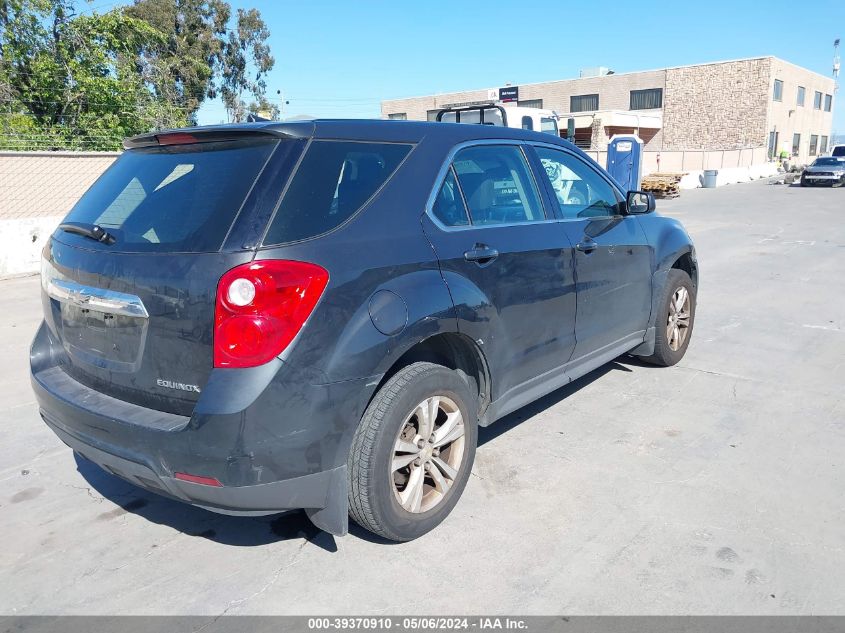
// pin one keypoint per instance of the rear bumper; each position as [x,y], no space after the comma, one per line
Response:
[309,491]
[284,449]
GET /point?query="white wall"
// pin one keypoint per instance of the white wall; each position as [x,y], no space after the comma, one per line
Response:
[22,241]
[37,189]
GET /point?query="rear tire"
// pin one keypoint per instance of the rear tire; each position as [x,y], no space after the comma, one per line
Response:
[410,422]
[675,320]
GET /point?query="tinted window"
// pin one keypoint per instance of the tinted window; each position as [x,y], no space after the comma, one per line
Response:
[497,185]
[527,123]
[181,198]
[449,205]
[580,191]
[839,150]
[333,181]
[583,103]
[647,99]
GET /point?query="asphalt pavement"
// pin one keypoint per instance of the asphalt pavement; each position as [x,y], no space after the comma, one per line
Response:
[713,487]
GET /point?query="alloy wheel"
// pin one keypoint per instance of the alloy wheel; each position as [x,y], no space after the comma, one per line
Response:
[428,454]
[677,326]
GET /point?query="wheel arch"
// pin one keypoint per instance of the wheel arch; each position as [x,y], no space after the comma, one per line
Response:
[686,261]
[455,351]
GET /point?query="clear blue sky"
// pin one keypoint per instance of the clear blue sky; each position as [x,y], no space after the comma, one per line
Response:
[340,58]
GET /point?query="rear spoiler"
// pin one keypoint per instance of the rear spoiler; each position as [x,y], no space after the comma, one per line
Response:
[215,134]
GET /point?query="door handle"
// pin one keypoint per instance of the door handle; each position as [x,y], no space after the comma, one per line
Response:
[481,254]
[587,246]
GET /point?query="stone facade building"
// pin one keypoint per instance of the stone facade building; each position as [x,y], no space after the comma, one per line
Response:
[761,102]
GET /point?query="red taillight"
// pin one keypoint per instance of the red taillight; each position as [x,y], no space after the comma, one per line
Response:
[261,307]
[197,479]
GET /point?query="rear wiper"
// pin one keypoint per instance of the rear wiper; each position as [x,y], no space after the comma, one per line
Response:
[92,231]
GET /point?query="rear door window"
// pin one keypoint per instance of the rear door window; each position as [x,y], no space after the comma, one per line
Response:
[497,185]
[179,198]
[449,205]
[333,181]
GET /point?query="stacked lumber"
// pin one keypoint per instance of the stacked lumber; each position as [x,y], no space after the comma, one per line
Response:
[662,185]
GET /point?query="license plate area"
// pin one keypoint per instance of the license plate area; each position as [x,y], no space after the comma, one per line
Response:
[99,327]
[106,340]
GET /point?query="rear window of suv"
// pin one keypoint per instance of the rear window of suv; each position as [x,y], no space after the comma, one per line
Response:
[333,181]
[178,198]
[839,150]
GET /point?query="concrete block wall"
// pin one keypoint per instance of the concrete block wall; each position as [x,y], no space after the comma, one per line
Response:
[37,189]
[719,106]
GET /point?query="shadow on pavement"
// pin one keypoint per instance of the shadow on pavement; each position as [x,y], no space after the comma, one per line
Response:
[255,531]
[505,424]
[193,521]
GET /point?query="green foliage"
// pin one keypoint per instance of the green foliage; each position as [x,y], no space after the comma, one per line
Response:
[86,80]
[246,60]
[182,67]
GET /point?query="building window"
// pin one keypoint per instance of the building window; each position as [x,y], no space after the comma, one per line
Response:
[650,99]
[398,116]
[814,144]
[530,103]
[823,146]
[583,103]
[828,103]
[431,115]
[817,101]
[801,92]
[796,144]
[773,144]
[777,93]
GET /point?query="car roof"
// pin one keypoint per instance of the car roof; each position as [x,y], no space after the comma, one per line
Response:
[367,129]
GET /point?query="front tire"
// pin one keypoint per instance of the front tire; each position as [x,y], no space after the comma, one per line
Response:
[675,320]
[412,453]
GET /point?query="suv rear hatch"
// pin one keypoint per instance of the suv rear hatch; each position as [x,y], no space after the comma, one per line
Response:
[130,277]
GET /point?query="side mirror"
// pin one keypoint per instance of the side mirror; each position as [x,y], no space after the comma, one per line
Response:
[639,202]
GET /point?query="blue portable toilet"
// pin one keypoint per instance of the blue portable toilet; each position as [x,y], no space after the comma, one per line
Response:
[625,160]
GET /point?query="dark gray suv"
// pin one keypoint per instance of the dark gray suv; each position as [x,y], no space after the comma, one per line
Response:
[319,315]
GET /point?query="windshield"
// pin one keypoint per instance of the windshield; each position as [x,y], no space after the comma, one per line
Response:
[829,161]
[180,198]
[548,124]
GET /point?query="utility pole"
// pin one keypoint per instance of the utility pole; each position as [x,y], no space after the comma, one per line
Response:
[836,64]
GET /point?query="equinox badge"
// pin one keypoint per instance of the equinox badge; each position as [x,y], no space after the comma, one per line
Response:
[170,384]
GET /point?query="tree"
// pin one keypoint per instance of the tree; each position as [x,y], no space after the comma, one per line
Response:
[87,80]
[182,69]
[264,108]
[70,80]
[246,60]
